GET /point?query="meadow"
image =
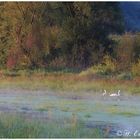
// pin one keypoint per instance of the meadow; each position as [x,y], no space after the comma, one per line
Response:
[66,104]
[16,126]
[57,59]
[69,80]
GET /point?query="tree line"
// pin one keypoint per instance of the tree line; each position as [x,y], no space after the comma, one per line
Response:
[73,34]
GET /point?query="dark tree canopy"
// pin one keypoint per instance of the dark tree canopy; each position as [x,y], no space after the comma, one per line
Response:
[33,34]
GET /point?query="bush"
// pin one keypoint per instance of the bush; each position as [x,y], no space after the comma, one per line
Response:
[136,69]
[107,67]
[137,47]
[125,76]
[124,52]
[57,63]
[11,73]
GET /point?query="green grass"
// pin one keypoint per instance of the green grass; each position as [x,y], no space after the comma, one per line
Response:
[116,110]
[128,114]
[42,109]
[88,116]
[68,80]
[16,126]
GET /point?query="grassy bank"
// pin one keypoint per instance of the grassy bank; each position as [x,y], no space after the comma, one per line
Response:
[17,126]
[69,80]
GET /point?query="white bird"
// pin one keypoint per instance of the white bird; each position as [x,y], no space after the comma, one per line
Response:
[104,93]
[115,94]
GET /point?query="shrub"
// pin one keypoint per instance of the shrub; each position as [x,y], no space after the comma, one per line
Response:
[107,67]
[124,51]
[137,47]
[125,76]
[13,56]
[11,73]
[136,69]
[57,62]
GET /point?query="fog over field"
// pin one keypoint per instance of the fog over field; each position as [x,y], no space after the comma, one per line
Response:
[69,69]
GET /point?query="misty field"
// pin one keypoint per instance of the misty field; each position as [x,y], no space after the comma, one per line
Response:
[69,70]
[67,105]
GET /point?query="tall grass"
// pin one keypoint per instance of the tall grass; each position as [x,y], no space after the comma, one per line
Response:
[107,67]
[136,68]
[72,80]
[16,126]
